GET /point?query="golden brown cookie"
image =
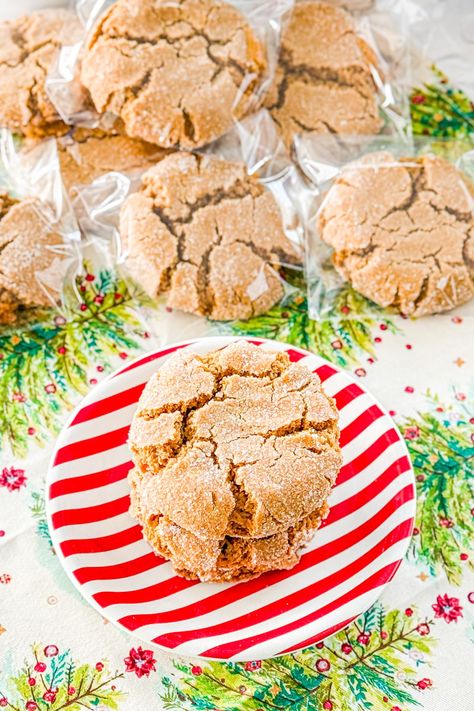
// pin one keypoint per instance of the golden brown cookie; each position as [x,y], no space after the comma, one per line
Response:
[323,82]
[29,47]
[231,559]
[29,259]
[208,233]
[175,73]
[239,442]
[87,153]
[403,232]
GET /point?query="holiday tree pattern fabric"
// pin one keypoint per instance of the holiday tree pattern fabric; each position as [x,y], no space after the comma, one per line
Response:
[379,661]
[54,357]
[441,445]
[402,654]
[51,679]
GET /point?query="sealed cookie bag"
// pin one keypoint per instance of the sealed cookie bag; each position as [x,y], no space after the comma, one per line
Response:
[207,232]
[394,220]
[39,236]
[175,74]
[343,68]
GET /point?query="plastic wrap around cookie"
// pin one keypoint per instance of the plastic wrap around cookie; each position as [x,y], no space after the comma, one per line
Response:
[207,232]
[342,69]
[39,235]
[395,220]
[177,74]
[235,456]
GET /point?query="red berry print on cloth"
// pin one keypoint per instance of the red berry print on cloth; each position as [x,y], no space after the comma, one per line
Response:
[254,665]
[141,661]
[438,438]
[12,478]
[448,608]
[5,578]
[59,681]
[341,673]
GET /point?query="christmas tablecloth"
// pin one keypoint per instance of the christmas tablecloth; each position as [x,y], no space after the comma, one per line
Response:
[412,649]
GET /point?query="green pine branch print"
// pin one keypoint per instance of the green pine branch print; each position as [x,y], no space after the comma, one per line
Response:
[441,445]
[373,663]
[342,338]
[53,680]
[47,360]
[440,110]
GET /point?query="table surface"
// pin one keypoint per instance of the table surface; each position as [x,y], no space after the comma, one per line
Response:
[411,650]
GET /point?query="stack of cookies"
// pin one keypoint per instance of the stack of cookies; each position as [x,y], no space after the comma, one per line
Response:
[235,455]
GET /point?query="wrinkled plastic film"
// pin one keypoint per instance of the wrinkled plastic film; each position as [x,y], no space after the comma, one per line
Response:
[448,277]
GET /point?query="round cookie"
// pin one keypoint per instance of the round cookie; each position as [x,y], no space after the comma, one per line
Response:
[403,232]
[27,250]
[323,82]
[239,442]
[29,47]
[230,560]
[176,73]
[86,153]
[208,233]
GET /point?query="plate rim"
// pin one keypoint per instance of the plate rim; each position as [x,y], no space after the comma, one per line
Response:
[191,341]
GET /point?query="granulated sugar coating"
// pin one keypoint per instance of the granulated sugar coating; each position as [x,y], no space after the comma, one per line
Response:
[29,47]
[236,453]
[177,73]
[323,82]
[209,234]
[27,257]
[411,245]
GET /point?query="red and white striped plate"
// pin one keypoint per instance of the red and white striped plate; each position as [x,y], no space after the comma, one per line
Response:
[350,560]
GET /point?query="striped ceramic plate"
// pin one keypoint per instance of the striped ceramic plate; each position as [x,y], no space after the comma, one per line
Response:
[344,569]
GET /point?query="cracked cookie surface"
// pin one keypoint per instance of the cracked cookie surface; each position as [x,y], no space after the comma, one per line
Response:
[231,559]
[239,442]
[403,231]
[206,232]
[27,257]
[29,47]
[86,153]
[176,73]
[323,82]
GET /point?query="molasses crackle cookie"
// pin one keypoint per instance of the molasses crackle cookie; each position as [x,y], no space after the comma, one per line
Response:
[177,73]
[323,82]
[402,230]
[29,46]
[235,454]
[31,265]
[207,233]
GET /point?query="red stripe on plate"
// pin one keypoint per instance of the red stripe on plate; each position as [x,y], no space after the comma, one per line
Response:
[93,445]
[283,604]
[149,358]
[105,543]
[90,514]
[347,395]
[242,590]
[118,570]
[109,404]
[366,458]
[295,356]
[153,592]
[78,484]
[357,426]
[325,372]
[362,497]
[318,637]
[225,651]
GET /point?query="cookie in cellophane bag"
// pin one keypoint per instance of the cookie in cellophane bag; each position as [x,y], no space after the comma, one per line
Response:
[395,220]
[39,236]
[177,74]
